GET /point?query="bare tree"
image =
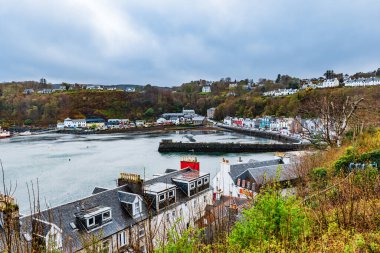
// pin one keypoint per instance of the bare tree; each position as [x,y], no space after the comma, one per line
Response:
[332,115]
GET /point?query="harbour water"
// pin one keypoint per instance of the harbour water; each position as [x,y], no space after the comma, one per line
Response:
[68,166]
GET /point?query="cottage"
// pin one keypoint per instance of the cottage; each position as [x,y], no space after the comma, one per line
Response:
[199,120]
[244,179]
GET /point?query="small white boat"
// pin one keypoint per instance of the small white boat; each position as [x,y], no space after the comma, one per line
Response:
[4,133]
[26,133]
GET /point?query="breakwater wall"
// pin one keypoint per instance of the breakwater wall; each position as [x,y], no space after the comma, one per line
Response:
[167,146]
[262,134]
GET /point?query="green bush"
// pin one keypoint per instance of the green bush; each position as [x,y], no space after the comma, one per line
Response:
[274,222]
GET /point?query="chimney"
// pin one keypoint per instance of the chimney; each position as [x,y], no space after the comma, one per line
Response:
[133,181]
[190,162]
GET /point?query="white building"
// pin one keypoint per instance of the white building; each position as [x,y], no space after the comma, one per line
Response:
[74,123]
[280,92]
[233,85]
[206,89]
[372,81]
[329,83]
[136,214]
[244,179]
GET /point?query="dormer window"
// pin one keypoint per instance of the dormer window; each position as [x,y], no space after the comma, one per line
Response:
[161,197]
[199,183]
[205,180]
[90,221]
[192,185]
[171,194]
[106,216]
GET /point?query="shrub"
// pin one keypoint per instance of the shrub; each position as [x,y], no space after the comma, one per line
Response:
[274,222]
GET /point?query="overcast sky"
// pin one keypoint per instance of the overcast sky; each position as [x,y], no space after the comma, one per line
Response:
[168,42]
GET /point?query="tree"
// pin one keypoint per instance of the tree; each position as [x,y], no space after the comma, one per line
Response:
[28,122]
[278,80]
[149,112]
[273,221]
[331,114]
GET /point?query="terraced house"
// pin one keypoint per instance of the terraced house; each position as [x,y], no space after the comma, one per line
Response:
[133,217]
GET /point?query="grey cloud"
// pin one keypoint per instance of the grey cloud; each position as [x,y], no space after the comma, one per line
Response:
[171,42]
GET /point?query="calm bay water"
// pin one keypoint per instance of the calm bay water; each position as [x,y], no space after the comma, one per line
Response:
[68,166]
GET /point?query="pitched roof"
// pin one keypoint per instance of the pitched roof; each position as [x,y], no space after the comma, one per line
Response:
[280,173]
[63,215]
[239,168]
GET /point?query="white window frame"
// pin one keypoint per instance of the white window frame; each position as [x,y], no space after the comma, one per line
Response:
[171,192]
[141,230]
[159,197]
[92,223]
[122,238]
[199,182]
[205,180]
[110,216]
[136,208]
[192,185]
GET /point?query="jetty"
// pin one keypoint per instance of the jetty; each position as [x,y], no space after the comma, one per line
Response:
[168,146]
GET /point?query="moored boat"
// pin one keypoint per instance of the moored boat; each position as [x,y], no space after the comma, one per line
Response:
[26,133]
[4,133]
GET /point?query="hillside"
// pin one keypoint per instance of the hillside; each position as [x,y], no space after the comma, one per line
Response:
[46,109]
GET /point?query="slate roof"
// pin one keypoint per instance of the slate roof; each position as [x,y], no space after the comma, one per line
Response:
[237,169]
[98,190]
[282,172]
[127,197]
[63,215]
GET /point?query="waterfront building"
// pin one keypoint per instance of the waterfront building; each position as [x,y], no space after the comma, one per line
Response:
[95,123]
[136,216]
[244,179]
[76,123]
[199,120]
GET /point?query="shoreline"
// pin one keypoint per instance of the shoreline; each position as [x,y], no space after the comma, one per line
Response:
[140,130]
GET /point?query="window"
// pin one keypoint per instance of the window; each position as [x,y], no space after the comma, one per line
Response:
[192,185]
[173,214]
[161,197]
[171,194]
[199,182]
[204,199]
[205,180]
[137,208]
[122,239]
[180,212]
[106,216]
[90,221]
[141,230]
[168,217]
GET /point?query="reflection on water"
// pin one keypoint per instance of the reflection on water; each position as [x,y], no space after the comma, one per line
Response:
[69,166]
